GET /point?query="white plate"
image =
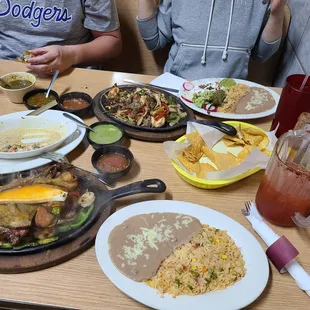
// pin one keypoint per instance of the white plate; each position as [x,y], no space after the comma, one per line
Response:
[236,296]
[184,94]
[64,127]
[16,165]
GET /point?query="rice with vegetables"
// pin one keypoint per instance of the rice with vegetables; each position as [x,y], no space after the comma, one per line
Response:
[233,96]
[210,261]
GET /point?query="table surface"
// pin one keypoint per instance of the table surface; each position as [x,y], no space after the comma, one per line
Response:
[80,283]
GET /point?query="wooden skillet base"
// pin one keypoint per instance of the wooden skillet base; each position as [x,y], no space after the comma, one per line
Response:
[141,134]
[55,256]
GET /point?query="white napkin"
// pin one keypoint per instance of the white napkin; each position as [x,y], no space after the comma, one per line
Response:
[301,277]
[168,80]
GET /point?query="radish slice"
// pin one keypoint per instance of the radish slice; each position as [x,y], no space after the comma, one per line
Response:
[188,86]
[213,109]
[187,100]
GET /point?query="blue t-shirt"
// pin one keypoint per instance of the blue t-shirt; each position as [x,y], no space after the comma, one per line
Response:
[25,25]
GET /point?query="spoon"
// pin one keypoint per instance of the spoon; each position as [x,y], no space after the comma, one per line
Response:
[52,82]
[77,121]
[4,84]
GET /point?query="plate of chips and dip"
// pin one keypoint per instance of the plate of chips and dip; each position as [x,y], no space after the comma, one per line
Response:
[208,159]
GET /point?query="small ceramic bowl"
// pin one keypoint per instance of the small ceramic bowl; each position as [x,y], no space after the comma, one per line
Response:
[106,137]
[16,95]
[113,150]
[35,92]
[76,95]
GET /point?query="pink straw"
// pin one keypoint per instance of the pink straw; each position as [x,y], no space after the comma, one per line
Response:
[304,82]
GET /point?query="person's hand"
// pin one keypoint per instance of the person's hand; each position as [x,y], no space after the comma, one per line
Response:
[48,59]
[277,6]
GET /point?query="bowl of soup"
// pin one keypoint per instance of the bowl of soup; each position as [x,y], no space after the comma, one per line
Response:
[35,99]
[77,103]
[112,161]
[20,83]
[105,133]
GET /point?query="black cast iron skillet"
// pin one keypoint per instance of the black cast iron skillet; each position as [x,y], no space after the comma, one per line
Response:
[223,127]
[104,198]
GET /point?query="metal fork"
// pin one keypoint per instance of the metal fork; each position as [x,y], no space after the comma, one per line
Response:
[151,85]
[59,158]
[250,209]
[247,210]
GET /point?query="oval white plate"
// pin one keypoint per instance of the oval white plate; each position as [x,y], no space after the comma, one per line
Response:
[65,128]
[184,94]
[16,165]
[234,297]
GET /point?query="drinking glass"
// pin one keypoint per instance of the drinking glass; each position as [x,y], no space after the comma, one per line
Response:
[283,197]
[292,103]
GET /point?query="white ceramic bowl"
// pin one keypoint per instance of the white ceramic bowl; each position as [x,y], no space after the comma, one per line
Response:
[65,128]
[16,95]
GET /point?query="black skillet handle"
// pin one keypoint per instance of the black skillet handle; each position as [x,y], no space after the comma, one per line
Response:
[146,186]
[223,127]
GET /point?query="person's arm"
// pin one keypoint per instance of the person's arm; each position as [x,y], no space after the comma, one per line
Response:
[271,36]
[273,29]
[104,46]
[146,8]
[155,23]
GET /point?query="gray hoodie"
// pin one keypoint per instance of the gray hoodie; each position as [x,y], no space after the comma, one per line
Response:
[210,38]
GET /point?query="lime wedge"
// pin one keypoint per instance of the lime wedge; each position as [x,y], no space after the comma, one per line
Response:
[227,83]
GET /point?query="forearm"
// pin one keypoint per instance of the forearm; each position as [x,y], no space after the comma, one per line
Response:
[274,26]
[146,8]
[97,51]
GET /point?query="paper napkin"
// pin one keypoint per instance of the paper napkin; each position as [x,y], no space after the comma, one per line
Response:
[301,277]
[168,80]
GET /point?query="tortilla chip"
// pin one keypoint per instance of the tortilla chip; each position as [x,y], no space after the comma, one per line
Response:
[232,141]
[24,58]
[209,153]
[191,167]
[221,160]
[192,153]
[244,153]
[267,152]
[194,138]
[255,137]
[252,131]
[204,168]
[225,161]
[264,143]
[196,142]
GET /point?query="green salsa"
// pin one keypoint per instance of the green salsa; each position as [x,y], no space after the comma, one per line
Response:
[18,84]
[105,134]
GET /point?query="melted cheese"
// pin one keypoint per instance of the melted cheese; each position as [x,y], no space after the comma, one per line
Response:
[38,193]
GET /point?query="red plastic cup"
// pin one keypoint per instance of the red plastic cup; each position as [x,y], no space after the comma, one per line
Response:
[292,103]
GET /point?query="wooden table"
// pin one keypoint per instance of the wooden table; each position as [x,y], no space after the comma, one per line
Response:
[80,283]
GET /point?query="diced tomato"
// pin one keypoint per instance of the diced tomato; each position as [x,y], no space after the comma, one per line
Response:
[184,267]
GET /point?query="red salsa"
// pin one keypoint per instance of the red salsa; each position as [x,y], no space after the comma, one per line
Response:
[112,163]
[75,104]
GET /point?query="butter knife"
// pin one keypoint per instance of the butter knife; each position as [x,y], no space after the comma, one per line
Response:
[43,108]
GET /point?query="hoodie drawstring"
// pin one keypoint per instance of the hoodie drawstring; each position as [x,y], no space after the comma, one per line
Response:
[203,58]
[225,52]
